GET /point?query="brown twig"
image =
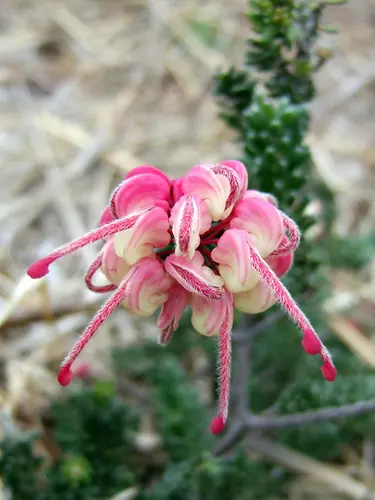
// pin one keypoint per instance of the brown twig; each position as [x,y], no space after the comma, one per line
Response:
[259,422]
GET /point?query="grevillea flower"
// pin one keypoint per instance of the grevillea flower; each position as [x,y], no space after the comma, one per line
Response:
[204,241]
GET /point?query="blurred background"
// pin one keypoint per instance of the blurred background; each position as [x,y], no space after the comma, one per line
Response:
[88,90]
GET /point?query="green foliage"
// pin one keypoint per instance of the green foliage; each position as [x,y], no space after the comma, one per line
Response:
[93,428]
[181,418]
[285,32]
[18,464]
[352,252]
[218,479]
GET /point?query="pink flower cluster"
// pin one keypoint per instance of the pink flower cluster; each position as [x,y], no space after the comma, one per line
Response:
[203,241]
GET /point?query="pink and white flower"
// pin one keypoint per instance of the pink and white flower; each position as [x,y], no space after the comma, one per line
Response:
[203,240]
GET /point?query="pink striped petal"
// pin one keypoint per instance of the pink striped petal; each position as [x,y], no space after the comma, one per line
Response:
[172,311]
[148,287]
[233,256]
[213,189]
[293,238]
[194,276]
[149,232]
[114,267]
[189,218]
[261,220]
[241,171]
[233,178]
[140,191]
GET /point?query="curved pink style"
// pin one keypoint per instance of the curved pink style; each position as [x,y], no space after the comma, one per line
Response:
[92,270]
[194,276]
[203,240]
[291,242]
[41,267]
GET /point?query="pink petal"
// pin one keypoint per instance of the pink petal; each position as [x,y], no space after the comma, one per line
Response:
[233,256]
[140,191]
[213,189]
[177,189]
[149,232]
[257,300]
[148,169]
[189,218]
[114,267]
[95,266]
[233,178]
[251,193]
[207,315]
[106,216]
[148,287]
[241,171]
[194,276]
[280,263]
[172,311]
[261,220]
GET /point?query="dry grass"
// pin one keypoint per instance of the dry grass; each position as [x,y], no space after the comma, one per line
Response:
[88,90]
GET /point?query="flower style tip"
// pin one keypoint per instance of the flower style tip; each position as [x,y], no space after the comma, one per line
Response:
[40,268]
[65,376]
[217,425]
[311,341]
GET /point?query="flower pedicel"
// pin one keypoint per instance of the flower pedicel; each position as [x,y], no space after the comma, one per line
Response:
[203,241]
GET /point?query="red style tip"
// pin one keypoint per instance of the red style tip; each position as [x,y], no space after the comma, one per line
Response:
[311,344]
[329,372]
[40,268]
[217,425]
[65,376]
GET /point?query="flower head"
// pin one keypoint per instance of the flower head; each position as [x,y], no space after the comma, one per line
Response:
[203,241]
